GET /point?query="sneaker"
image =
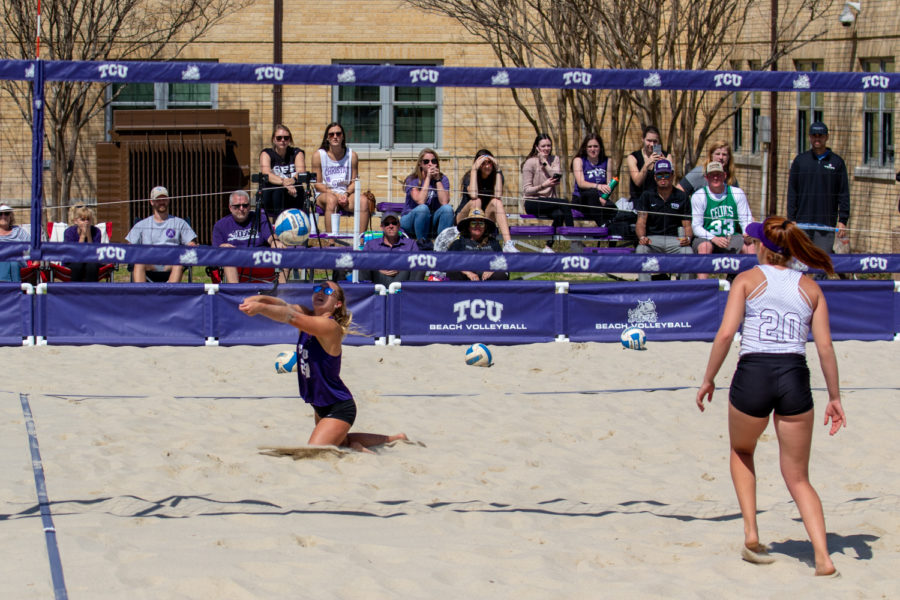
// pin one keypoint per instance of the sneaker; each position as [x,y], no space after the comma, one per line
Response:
[509,246]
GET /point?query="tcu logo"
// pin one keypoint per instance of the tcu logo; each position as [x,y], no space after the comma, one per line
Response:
[423,75]
[876,81]
[729,79]
[113,70]
[873,262]
[581,77]
[276,73]
[575,262]
[110,253]
[478,309]
[266,257]
[422,260]
[726,263]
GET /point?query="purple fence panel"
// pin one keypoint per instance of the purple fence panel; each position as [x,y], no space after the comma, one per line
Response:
[15,314]
[666,310]
[124,314]
[502,312]
[861,310]
[232,327]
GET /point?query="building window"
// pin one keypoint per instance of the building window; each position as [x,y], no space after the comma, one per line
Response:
[755,113]
[158,96]
[389,117]
[810,106]
[737,120]
[878,119]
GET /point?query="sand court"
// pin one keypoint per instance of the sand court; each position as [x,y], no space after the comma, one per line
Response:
[565,470]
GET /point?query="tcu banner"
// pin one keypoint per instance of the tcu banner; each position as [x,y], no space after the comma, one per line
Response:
[501,312]
[666,310]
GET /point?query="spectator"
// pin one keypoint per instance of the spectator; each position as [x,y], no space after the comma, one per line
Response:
[160,229]
[661,212]
[476,233]
[10,232]
[541,174]
[818,190]
[719,151]
[427,198]
[280,165]
[242,229]
[641,162]
[82,232]
[591,170]
[390,241]
[336,167]
[482,189]
[720,216]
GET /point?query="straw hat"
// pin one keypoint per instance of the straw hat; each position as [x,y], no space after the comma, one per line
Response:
[490,227]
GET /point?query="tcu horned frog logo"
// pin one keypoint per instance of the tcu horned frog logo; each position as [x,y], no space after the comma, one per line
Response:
[644,312]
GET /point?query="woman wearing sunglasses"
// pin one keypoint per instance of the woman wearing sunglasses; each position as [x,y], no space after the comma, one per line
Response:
[322,330]
[279,165]
[427,210]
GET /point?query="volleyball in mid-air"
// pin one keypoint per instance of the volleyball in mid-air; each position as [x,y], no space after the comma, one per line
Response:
[286,362]
[478,355]
[292,227]
[634,338]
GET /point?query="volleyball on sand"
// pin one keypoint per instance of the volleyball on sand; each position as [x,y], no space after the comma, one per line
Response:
[478,355]
[292,227]
[286,362]
[634,338]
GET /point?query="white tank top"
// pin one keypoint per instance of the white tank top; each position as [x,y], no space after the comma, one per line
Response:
[777,320]
[337,173]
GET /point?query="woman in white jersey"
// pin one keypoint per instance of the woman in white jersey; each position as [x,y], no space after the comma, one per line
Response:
[336,167]
[777,307]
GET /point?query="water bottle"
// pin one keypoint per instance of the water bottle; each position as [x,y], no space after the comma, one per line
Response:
[612,185]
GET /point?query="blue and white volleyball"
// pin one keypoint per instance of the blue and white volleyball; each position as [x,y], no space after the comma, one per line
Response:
[634,338]
[478,355]
[292,227]
[286,362]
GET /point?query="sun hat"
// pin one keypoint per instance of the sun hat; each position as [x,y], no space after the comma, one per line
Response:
[476,215]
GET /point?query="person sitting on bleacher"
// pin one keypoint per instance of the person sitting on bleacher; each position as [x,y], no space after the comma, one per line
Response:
[234,230]
[482,189]
[160,229]
[10,232]
[390,241]
[661,212]
[476,233]
[590,167]
[427,206]
[541,174]
[82,232]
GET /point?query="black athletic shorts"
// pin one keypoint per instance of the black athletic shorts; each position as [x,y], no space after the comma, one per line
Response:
[766,382]
[345,411]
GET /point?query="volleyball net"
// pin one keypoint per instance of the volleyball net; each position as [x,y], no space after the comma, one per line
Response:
[197,128]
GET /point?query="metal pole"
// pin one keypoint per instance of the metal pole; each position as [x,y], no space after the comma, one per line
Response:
[37,158]
[357,238]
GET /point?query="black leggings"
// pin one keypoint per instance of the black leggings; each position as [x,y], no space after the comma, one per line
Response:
[601,214]
[84,271]
[551,208]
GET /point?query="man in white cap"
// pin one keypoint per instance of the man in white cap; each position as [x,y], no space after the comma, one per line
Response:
[160,229]
[721,213]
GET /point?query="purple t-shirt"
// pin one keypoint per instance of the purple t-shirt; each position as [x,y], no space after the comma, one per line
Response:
[404,244]
[319,373]
[432,199]
[592,173]
[228,231]
[71,234]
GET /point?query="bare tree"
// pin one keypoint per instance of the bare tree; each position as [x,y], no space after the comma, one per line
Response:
[95,30]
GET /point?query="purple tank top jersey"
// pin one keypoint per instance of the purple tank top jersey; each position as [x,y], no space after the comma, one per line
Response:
[319,374]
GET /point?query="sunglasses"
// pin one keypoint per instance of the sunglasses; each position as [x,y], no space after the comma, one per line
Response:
[245,205]
[335,134]
[476,223]
[321,288]
[390,222]
[429,161]
[282,138]
[663,175]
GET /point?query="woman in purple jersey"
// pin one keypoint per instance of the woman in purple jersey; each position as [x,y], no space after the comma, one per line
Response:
[777,307]
[322,329]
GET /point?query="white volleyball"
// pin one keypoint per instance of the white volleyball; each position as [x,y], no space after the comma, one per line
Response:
[478,355]
[634,338]
[286,362]
[292,227]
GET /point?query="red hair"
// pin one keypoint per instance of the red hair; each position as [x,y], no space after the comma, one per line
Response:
[796,244]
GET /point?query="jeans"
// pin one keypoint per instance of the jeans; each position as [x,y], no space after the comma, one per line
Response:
[9,271]
[420,221]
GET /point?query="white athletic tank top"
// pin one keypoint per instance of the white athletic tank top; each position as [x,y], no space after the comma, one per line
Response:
[337,173]
[777,321]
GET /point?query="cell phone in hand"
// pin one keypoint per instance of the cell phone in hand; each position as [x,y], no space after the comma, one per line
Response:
[657,149]
[556,176]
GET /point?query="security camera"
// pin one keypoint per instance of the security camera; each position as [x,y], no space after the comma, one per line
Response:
[848,14]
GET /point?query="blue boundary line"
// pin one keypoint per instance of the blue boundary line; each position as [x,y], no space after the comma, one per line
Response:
[40,483]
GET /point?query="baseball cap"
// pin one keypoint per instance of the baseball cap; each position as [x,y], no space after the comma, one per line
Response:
[714,167]
[389,214]
[818,128]
[5,208]
[663,166]
[158,191]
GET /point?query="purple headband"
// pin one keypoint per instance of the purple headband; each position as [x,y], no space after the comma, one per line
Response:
[758,231]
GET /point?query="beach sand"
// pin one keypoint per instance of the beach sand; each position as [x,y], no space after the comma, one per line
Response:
[563,471]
